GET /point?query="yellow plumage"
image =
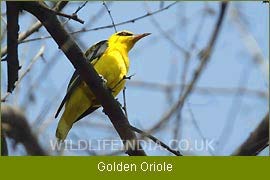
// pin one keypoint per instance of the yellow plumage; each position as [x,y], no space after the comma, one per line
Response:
[112,64]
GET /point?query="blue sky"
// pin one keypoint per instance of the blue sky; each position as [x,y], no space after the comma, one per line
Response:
[155,59]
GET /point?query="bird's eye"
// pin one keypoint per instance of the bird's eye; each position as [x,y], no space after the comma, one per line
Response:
[124,34]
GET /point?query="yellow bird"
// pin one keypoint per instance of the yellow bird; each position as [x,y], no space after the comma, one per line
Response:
[110,60]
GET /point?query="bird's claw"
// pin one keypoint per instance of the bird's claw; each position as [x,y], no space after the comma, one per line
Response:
[104,81]
[128,77]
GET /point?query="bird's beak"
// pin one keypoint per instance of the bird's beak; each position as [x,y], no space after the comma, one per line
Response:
[137,37]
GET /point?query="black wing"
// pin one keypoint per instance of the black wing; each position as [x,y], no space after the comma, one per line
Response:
[93,53]
[88,111]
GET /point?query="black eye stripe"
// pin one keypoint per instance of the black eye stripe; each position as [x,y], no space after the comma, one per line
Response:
[124,34]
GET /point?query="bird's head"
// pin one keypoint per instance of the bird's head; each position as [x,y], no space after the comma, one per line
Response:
[125,39]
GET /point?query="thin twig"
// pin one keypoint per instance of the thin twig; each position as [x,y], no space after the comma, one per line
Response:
[124,92]
[80,7]
[179,113]
[251,44]
[187,59]
[39,77]
[108,26]
[3,19]
[144,134]
[73,16]
[97,16]
[154,139]
[167,36]
[76,11]
[109,12]
[197,127]
[234,110]
[198,89]
[199,28]
[35,58]
[3,32]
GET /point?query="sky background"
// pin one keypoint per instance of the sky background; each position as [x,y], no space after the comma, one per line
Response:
[226,118]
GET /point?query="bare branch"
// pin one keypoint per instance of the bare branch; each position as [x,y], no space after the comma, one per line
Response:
[166,35]
[15,126]
[12,44]
[144,134]
[250,43]
[35,58]
[257,141]
[73,16]
[198,89]
[154,139]
[109,12]
[77,10]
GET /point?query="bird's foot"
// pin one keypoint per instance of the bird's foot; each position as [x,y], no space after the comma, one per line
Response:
[104,81]
[128,77]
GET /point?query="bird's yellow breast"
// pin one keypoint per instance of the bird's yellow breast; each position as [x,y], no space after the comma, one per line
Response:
[113,65]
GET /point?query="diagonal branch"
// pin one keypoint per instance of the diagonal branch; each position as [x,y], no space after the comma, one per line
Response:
[257,141]
[32,62]
[88,73]
[156,140]
[110,14]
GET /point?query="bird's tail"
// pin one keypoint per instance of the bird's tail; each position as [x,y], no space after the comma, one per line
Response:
[62,129]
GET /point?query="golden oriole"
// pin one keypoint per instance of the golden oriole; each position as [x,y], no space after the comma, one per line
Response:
[110,60]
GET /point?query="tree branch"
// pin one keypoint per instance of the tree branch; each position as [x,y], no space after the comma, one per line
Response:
[257,141]
[156,140]
[32,62]
[88,73]
[15,126]
[73,16]
[203,90]
[12,44]
[4,149]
